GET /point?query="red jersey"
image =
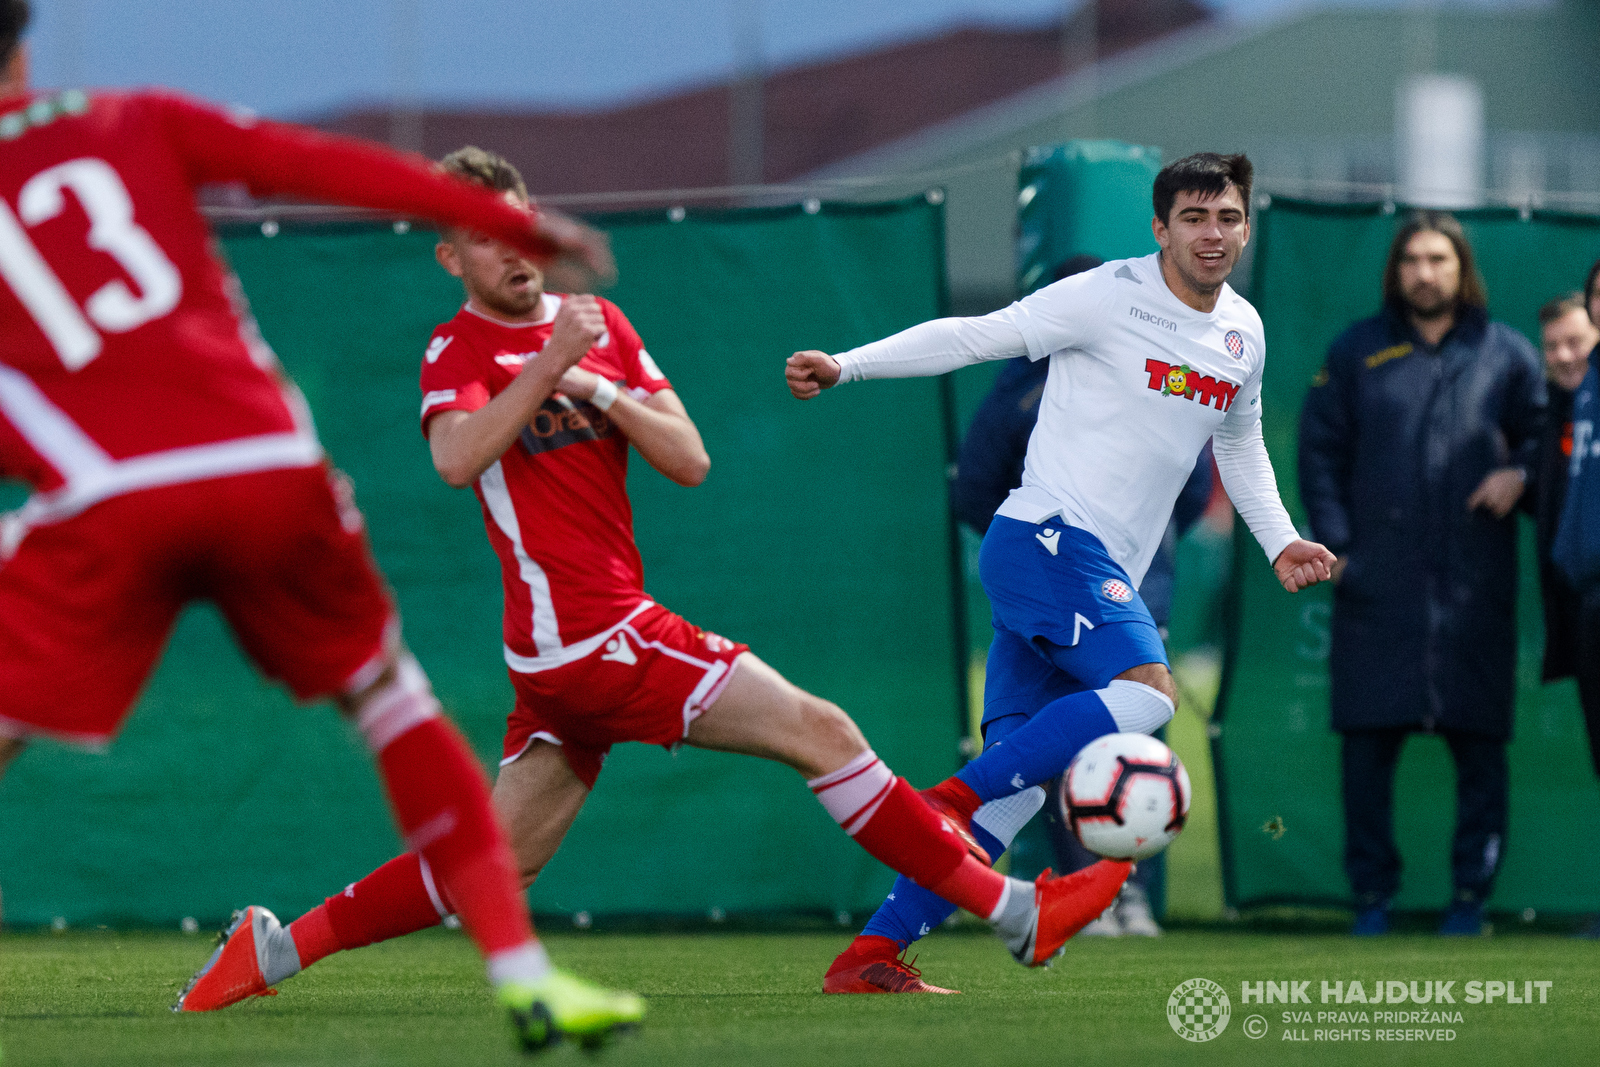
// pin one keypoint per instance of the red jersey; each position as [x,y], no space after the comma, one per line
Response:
[127,359]
[556,504]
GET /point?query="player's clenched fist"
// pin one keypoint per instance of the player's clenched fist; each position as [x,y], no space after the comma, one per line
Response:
[1303,563]
[809,373]
[578,325]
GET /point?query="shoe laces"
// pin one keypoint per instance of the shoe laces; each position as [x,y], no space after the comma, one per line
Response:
[895,974]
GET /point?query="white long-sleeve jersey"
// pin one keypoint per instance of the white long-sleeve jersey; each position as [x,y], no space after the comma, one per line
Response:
[1138,381]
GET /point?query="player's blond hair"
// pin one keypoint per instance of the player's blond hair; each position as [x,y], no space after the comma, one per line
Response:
[483,167]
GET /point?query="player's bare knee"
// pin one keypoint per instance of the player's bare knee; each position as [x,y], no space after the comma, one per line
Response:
[829,729]
[1156,676]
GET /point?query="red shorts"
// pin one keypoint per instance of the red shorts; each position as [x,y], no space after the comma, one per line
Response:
[87,604]
[647,681]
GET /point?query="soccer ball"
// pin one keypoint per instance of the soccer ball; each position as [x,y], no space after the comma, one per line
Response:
[1126,796]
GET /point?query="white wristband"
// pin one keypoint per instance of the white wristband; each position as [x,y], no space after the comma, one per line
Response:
[605,394]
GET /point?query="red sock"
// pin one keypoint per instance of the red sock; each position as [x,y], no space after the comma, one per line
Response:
[888,819]
[313,936]
[973,886]
[396,899]
[441,801]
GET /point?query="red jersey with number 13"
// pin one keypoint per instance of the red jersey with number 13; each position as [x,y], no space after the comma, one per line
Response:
[556,504]
[127,360]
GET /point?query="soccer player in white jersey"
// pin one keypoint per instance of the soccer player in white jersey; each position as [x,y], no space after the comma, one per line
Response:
[1148,358]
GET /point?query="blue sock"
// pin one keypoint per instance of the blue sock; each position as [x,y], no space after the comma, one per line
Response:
[1038,751]
[912,912]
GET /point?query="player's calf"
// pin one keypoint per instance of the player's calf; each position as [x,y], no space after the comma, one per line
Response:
[440,798]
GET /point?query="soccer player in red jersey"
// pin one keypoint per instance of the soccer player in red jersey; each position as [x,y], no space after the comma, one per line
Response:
[171,460]
[533,398]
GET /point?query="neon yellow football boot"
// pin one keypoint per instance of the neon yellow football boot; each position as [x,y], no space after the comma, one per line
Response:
[560,1005]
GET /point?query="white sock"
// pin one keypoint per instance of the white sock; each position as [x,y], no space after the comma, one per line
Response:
[853,793]
[526,963]
[1005,817]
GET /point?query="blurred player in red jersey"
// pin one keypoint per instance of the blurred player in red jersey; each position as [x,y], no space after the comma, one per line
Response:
[171,460]
[533,398]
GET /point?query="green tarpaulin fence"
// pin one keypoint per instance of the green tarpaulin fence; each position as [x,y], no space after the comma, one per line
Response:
[1317,269]
[820,538]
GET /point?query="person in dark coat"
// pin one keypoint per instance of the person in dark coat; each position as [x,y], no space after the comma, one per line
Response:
[1574,547]
[988,468]
[1415,442]
[1567,336]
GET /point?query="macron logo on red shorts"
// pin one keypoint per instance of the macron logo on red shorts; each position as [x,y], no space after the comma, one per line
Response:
[619,651]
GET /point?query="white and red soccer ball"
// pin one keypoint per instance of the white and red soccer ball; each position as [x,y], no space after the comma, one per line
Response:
[1126,796]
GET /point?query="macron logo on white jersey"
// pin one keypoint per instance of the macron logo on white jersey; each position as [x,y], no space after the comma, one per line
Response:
[436,348]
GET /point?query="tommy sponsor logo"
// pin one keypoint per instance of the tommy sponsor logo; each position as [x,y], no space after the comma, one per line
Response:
[1170,379]
[1116,590]
[1153,319]
[1049,539]
[619,651]
[436,348]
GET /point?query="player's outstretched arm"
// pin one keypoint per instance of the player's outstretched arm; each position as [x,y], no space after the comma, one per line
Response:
[465,444]
[924,350]
[809,373]
[277,158]
[1303,564]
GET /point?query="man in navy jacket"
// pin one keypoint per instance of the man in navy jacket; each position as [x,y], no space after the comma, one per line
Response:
[1415,442]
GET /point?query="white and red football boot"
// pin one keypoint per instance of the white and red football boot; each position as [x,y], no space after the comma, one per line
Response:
[253,954]
[1063,906]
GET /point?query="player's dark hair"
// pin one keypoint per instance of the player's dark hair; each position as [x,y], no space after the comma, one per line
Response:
[483,167]
[1472,292]
[1590,282]
[1562,305]
[14,16]
[1205,173]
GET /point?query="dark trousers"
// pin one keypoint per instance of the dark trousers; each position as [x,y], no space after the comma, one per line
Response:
[1589,670]
[1482,798]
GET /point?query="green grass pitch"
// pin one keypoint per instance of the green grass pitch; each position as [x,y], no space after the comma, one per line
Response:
[93,998]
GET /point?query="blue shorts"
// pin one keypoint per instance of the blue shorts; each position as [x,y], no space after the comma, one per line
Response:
[1064,620]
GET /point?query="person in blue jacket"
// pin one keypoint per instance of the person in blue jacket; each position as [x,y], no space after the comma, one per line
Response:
[1415,442]
[1576,549]
[988,468]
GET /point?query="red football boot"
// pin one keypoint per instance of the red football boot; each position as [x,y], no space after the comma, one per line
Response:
[875,965]
[956,803]
[1063,906]
[253,954]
